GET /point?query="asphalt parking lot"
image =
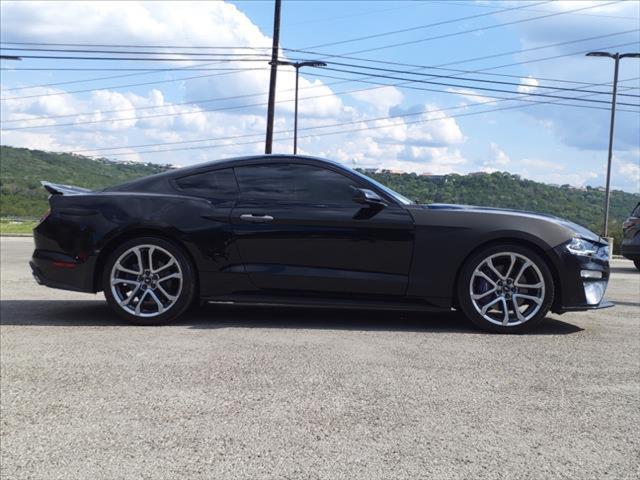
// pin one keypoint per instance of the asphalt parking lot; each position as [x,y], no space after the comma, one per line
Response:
[242,393]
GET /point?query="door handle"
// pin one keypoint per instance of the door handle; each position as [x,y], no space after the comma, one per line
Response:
[250,217]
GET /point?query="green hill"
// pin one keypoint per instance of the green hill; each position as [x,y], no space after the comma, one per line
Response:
[22,169]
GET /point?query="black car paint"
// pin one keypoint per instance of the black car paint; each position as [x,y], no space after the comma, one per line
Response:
[391,255]
[630,247]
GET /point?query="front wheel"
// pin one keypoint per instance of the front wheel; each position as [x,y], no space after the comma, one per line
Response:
[505,288]
[149,281]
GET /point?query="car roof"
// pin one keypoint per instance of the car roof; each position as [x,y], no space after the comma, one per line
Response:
[252,159]
[152,182]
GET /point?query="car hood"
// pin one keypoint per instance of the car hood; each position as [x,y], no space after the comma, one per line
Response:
[577,230]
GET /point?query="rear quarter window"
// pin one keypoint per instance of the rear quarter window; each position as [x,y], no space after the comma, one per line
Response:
[215,184]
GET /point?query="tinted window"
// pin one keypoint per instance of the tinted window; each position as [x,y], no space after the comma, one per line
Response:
[214,184]
[295,183]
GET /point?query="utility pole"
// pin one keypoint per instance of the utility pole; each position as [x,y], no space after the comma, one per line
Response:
[272,80]
[607,194]
[297,66]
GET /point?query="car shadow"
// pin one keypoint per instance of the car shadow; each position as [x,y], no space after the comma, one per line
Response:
[93,313]
[628,304]
[631,269]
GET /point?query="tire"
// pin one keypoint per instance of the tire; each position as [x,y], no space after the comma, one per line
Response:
[493,288]
[637,264]
[144,293]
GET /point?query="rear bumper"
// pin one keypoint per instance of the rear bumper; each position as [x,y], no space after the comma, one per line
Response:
[57,270]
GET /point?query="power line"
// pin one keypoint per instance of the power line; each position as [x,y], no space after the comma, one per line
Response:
[233,71]
[473,30]
[133,52]
[471,93]
[140,59]
[421,27]
[466,79]
[99,78]
[480,5]
[474,87]
[441,67]
[110,45]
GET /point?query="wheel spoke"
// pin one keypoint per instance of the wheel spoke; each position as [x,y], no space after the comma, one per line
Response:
[516,308]
[490,304]
[480,274]
[536,300]
[511,265]
[482,295]
[494,269]
[526,265]
[170,276]
[140,300]
[127,300]
[157,300]
[525,285]
[505,307]
[169,264]
[166,294]
[117,281]
[138,254]
[150,258]
[124,269]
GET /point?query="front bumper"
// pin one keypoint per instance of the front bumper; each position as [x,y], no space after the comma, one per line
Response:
[583,281]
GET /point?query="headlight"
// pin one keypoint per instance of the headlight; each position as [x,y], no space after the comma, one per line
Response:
[579,246]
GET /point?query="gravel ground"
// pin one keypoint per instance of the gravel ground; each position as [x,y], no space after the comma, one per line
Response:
[270,393]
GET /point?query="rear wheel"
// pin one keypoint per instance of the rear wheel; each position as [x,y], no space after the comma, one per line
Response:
[505,288]
[149,281]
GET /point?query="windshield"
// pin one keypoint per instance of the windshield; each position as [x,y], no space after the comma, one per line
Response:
[395,195]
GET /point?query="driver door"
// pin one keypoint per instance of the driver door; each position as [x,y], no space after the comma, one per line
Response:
[298,229]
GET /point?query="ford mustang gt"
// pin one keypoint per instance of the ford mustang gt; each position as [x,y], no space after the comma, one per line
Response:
[294,230]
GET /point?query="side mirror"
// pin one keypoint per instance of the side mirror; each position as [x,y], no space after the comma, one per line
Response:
[368,197]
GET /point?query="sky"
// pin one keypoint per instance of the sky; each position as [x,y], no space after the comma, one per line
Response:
[429,90]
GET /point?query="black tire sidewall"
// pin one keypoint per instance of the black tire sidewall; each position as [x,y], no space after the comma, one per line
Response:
[464,299]
[188,281]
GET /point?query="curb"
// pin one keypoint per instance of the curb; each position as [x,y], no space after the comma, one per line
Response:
[16,235]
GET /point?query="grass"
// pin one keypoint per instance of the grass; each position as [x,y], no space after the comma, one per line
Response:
[10,226]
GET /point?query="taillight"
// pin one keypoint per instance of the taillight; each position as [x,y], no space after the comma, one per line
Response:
[44,217]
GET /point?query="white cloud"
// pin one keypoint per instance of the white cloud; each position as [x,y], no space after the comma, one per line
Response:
[471,95]
[528,85]
[541,164]
[497,159]
[382,98]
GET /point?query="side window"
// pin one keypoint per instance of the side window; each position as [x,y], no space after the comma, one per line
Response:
[216,184]
[636,211]
[296,183]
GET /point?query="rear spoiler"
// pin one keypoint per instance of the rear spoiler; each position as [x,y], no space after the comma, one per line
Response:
[57,189]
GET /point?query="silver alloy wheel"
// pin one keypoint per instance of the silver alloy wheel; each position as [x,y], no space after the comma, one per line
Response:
[507,289]
[146,280]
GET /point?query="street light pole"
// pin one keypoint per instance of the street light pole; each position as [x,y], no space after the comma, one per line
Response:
[607,194]
[297,66]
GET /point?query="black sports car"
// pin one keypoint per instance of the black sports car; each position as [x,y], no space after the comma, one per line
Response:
[295,230]
[630,247]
